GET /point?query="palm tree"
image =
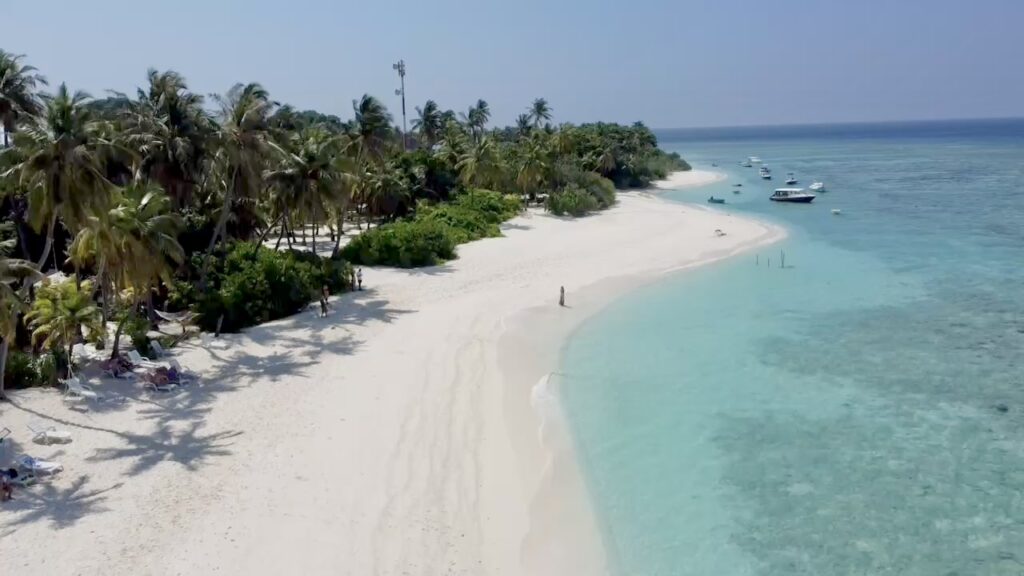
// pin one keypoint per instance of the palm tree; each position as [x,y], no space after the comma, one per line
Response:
[385,189]
[540,112]
[476,166]
[477,117]
[13,273]
[370,132]
[523,124]
[59,312]
[428,123]
[311,178]
[62,154]
[245,144]
[133,245]
[18,97]
[169,129]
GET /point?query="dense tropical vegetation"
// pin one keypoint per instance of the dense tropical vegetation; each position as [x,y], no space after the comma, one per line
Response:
[167,199]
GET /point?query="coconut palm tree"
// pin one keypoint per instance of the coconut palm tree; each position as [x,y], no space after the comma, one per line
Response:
[59,312]
[13,273]
[428,123]
[244,147]
[540,112]
[312,176]
[477,117]
[61,165]
[168,128]
[19,99]
[523,124]
[133,245]
[477,164]
[385,189]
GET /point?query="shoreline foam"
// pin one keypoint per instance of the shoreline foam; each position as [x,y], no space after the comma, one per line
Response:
[394,436]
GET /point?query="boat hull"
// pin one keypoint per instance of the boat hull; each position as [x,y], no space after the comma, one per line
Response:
[797,200]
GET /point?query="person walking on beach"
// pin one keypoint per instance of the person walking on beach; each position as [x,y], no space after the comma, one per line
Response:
[561,296]
[359,278]
[324,293]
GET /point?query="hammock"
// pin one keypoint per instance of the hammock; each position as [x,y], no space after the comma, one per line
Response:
[179,317]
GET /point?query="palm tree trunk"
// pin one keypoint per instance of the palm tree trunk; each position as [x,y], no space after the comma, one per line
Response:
[49,242]
[4,346]
[19,225]
[291,231]
[116,348]
[222,221]
[263,236]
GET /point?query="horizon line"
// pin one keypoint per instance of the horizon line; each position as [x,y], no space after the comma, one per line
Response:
[845,123]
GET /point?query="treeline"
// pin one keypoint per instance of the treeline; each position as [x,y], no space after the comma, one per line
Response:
[167,199]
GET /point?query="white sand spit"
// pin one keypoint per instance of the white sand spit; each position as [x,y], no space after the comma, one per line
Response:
[393,437]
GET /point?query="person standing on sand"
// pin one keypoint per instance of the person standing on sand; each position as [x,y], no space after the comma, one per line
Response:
[359,278]
[561,296]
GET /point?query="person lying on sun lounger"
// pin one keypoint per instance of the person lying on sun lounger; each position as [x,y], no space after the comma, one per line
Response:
[117,367]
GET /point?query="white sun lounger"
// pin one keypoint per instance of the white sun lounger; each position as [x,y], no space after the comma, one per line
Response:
[139,360]
[158,350]
[44,434]
[37,466]
[75,389]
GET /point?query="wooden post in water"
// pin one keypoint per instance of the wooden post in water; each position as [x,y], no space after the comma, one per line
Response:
[757,260]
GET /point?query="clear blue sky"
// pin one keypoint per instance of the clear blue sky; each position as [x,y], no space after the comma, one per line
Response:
[670,63]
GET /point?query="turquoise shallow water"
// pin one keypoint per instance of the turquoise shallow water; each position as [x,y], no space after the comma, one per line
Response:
[860,411]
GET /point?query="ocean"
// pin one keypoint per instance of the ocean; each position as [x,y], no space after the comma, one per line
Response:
[859,411]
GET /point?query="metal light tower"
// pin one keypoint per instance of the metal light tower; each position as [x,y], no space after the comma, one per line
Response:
[400,67]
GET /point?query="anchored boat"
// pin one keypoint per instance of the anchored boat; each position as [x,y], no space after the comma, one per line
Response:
[795,195]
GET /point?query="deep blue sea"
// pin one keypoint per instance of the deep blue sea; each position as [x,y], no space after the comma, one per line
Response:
[860,411]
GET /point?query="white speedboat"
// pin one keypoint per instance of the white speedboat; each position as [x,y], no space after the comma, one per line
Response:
[790,179]
[765,173]
[795,195]
[746,164]
[837,211]
[817,187]
[754,160]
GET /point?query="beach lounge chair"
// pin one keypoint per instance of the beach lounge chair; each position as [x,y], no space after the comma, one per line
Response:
[37,466]
[44,434]
[184,375]
[75,390]
[154,383]
[158,350]
[139,360]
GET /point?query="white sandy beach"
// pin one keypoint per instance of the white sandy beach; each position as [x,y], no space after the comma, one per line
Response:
[394,437]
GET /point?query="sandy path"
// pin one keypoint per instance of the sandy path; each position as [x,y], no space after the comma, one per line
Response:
[394,437]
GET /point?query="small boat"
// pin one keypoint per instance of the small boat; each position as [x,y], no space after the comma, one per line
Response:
[765,173]
[790,179]
[736,191]
[796,195]
[817,187]
[746,164]
[754,160]
[714,164]
[737,185]
[837,211]
[714,200]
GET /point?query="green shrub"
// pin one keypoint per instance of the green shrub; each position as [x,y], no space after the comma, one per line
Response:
[46,368]
[495,207]
[601,189]
[407,244]
[573,201]
[465,225]
[20,370]
[136,328]
[250,286]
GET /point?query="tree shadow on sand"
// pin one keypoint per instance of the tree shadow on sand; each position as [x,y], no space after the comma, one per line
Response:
[62,507]
[188,448]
